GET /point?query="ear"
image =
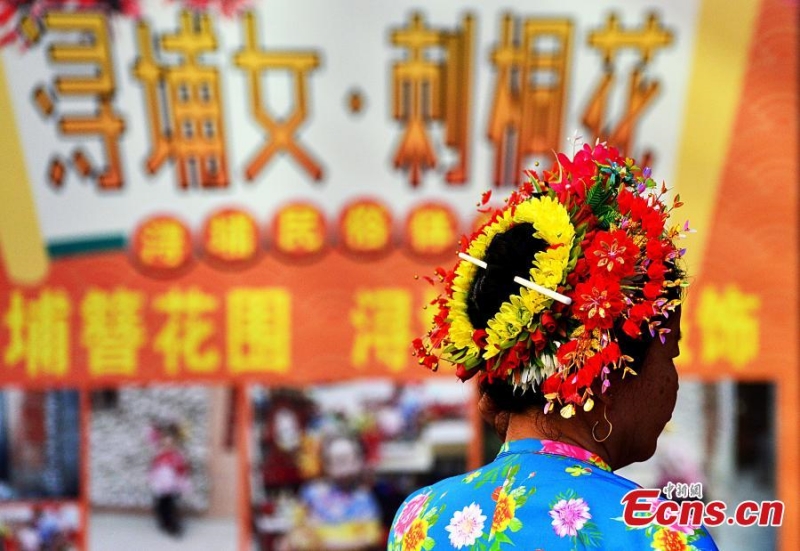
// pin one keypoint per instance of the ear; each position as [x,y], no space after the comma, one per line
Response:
[493,416]
[603,402]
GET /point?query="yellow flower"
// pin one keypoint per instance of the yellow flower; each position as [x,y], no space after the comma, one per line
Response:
[415,535]
[504,512]
[669,540]
[551,223]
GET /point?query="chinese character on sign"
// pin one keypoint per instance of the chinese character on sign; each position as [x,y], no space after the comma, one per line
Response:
[184,103]
[381,321]
[425,90]
[38,332]
[728,321]
[93,51]
[641,92]
[182,340]
[428,310]
[681,490]
[366,228]
[112,330]
[231,236]
[431,229]
[530,93]
[255,61]
[258,330]
[162,244]
[299,230]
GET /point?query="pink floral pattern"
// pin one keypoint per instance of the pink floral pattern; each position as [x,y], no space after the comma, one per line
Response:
[410,513]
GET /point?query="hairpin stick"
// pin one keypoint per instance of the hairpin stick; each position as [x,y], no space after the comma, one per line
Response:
[543,290]
[524,282]
[473,260]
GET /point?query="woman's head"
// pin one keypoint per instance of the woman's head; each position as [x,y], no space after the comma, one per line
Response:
[638,407]
[591,243]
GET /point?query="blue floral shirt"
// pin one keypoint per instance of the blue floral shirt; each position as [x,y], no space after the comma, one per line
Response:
[536,495]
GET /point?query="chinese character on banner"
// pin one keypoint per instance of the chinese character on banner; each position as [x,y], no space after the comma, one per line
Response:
[255,61]
[112,330]
[184,103]
[365,228]
[162,244]
[646,40]
[38,330]
[428,310]
[230,236]
[258,330]
[182,339]
[93,50]
[299,230]
[431,230]
[728,322]
[530,92]
[425,90]
[381,320]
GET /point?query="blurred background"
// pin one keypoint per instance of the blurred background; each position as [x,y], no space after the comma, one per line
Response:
[218,219]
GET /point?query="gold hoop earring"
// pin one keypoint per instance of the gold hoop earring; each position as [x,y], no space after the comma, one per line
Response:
[610,428]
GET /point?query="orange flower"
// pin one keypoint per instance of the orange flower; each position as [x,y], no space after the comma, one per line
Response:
[669,540]
[415,536]
[504,512]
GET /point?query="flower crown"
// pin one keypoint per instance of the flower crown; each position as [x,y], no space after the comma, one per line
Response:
[608,264]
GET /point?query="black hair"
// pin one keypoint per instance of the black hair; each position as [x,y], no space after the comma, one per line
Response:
[511,254]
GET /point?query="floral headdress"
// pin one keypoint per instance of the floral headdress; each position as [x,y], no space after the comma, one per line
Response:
[610,257]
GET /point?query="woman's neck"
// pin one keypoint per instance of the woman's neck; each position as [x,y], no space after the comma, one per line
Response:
[575,431]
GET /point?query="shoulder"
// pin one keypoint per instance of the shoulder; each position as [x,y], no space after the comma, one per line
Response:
[550,502]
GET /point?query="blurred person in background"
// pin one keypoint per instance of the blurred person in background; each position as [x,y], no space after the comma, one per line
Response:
[168,477]
[340,508]
[566,307]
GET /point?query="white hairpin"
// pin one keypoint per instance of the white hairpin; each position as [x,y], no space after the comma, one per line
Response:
[524,282]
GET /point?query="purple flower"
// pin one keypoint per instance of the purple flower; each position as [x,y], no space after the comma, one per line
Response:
[569,516]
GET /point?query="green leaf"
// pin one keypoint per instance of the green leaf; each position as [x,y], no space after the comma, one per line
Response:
[428,544]
[501,537]
[515,525]
[590,535]
[598,196]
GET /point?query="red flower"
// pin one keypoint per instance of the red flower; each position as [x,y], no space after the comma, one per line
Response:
[479,337]
[584,216]
[566,353]
[552,384]
[652,289]
[611,353]
[612,253]
[625,201]
[631,328]
[569,390]
[590,370]
[514,358]
[653,223]
[597,302]
[548,321]
[466,374]
[656,271]
[538,339]
[578,273]
[656,250]
[641,311]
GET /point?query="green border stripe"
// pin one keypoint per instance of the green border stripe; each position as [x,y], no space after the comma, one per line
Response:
[86,246]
